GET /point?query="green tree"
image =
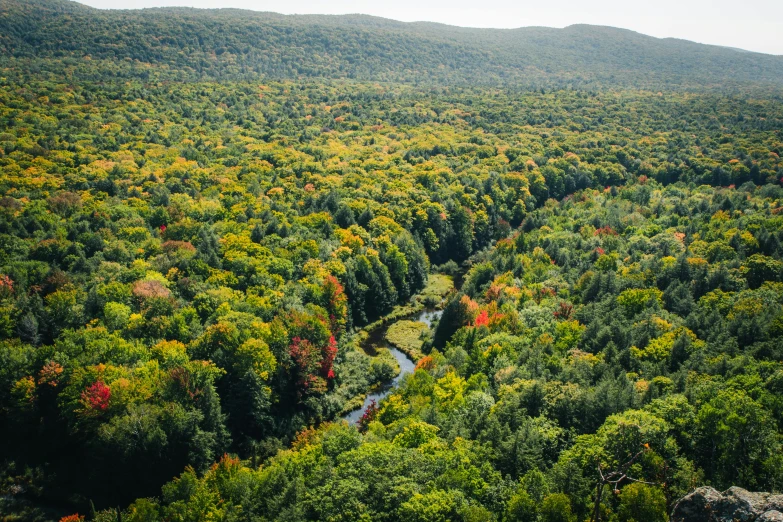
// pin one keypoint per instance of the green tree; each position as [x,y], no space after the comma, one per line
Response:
[640,502]
[556,508]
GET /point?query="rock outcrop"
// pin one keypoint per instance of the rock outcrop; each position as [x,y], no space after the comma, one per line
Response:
[733,505]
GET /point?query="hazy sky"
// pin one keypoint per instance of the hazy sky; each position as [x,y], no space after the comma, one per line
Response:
[755,25]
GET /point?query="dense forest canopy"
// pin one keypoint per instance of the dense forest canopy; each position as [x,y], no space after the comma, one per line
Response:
[202,225]
[234,44]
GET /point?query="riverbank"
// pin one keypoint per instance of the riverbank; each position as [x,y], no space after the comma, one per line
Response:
[438,287]
[378,343]
[406,336]
[372,341]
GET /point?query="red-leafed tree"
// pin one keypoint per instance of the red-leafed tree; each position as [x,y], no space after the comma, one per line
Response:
[6,286]
[336,304]
[368,416]
[328,353]
[96,396]
[308,364]
[73,518]
[313,349]
[605,231]
[314,364]
[564,311]
[426,363]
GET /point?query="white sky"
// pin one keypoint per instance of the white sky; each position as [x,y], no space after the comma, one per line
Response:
[755,25]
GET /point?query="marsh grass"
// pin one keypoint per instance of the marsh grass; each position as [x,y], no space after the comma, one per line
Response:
[406,336]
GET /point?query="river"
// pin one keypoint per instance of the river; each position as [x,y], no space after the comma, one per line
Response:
[377,339]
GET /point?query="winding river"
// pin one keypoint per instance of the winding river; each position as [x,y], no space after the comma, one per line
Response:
[377,339]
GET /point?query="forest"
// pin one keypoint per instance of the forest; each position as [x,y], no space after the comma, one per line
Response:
[193,264]
[176,44]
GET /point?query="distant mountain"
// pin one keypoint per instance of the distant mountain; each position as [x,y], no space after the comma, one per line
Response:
[230,43]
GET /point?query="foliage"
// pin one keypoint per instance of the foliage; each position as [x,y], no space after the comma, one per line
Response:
[550,387]
[181,44]
[406,336]
[186,268]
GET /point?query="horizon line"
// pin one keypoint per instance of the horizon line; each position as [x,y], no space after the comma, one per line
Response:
[412,22]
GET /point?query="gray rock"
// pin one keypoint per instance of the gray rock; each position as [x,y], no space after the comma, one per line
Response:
[774,503]
[696,506]
[740,505]
[733,505]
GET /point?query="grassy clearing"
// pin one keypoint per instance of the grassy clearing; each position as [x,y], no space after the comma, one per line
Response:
[382,368]
[438,285]
[366,372]
[354,403]
[353,379]
[406,337]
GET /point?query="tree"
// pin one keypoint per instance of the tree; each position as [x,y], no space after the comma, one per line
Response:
[521,508]
[642,502]
[461,223]
[436,506]
[556,508]
[735,437]
[634,301]
[116,315]
[455,315]
[759,268]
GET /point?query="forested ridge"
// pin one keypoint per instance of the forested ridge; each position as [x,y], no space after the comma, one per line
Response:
[197,241]
[181,43]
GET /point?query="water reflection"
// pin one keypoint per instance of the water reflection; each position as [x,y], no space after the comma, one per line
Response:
[377,340]
[406,367]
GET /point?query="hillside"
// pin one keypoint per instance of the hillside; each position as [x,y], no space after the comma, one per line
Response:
[257,267]
[234,44]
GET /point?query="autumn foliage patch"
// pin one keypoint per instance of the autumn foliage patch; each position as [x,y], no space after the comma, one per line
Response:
[96,396]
